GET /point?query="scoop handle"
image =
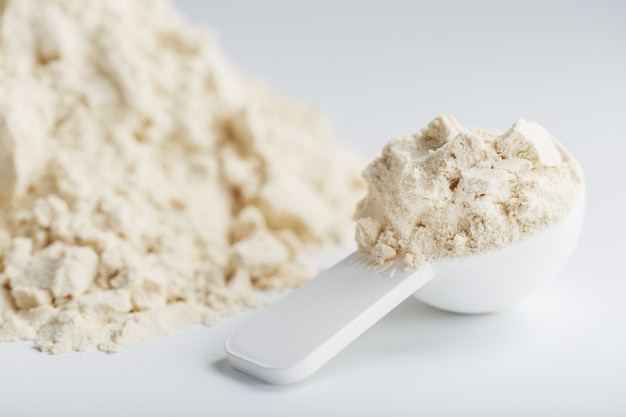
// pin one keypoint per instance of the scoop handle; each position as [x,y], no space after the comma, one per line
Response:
[301,332]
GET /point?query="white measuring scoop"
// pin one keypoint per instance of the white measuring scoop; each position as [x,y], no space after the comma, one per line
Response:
[301,332]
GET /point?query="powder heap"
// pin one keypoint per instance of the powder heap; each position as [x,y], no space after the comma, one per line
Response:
[146,184]
[450,191]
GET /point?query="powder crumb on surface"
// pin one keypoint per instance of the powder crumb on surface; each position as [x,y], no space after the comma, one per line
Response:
[451,191]
[146,184]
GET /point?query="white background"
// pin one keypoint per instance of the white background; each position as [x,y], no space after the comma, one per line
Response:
[381,70]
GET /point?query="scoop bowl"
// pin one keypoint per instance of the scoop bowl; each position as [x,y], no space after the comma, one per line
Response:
[494,280]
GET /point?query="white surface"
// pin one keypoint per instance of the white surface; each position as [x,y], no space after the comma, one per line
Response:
[297,335]
[380,70]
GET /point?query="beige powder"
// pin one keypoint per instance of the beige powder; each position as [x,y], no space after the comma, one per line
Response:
[146,184]
[450,191]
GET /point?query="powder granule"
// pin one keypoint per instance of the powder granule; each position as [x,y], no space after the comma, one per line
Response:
[146,184]
[450,191]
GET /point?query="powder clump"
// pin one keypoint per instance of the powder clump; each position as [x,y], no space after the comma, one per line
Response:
[450,191]
[147,184]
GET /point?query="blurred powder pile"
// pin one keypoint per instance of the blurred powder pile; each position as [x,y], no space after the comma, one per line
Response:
[145,183]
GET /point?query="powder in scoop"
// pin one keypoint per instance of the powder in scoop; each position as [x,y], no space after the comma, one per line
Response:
[451,191]
[147,184]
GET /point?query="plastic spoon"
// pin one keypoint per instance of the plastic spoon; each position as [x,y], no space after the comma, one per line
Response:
[296,336]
